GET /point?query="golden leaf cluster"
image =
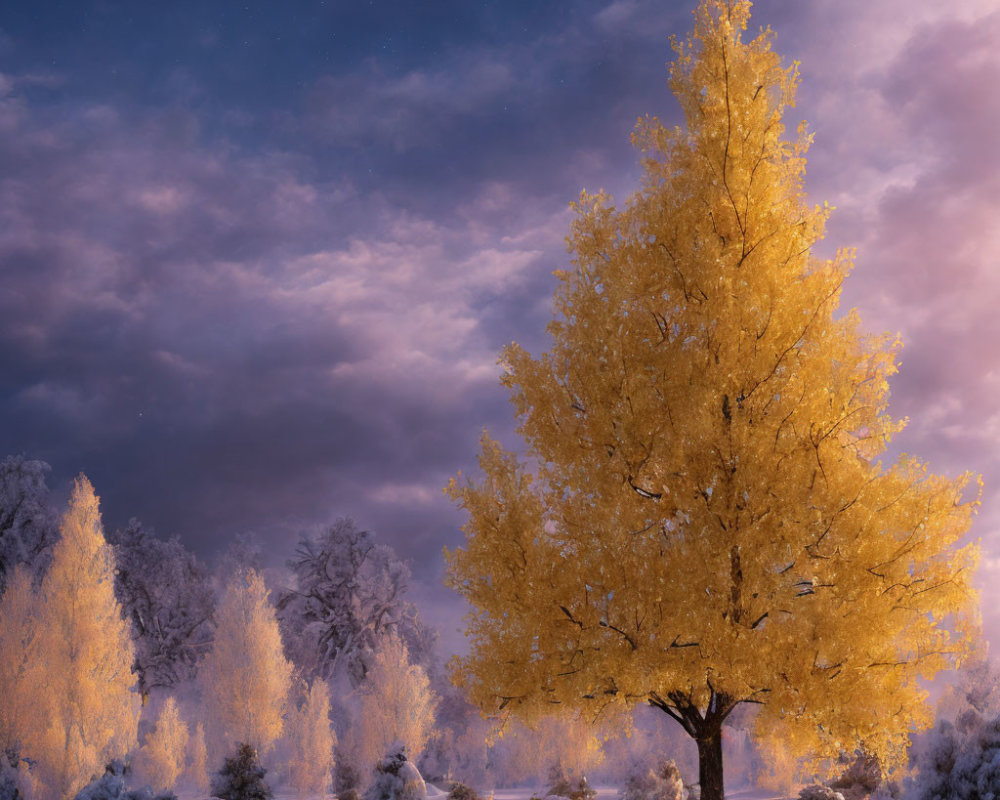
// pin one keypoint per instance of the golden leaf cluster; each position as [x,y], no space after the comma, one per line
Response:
[700,518]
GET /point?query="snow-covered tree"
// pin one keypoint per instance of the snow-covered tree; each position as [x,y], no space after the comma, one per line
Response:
[397,703]
[161,759]
[958,764]
[113,785]
[196,774]
[974,697]
[245,678]
[167,595]
[662,783]
[349,592]
[557,744]
[19,664]
[86,710]
[28,527]
[312,741]
[459,746]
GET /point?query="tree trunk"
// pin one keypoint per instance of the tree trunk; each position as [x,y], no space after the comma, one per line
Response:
[710,764]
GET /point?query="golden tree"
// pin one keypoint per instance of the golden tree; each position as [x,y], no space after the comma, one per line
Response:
[85,702]
[701,520]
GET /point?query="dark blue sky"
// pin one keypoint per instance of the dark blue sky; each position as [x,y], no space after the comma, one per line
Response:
[257,260]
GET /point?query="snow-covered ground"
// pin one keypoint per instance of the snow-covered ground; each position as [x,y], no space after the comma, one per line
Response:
[603,793]
[611,793]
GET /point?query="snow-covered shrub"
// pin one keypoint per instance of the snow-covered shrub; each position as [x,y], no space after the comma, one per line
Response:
[663,783]
[959,765]
[242,777]
[861,778]
[396,778]
[819,792]
[561,785]
[111,786]
[459,791]
[9,789]
[346,774]
[15,779]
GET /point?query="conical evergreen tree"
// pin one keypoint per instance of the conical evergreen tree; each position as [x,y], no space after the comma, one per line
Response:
[242,777]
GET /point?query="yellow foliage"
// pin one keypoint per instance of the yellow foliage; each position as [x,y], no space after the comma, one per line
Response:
[705,522]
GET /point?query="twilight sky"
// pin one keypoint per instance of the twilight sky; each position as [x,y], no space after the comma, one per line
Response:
[257,260]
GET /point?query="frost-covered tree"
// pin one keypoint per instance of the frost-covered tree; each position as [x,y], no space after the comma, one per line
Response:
[397,703]
[20,667]
[28,526]
[86,709]
[113,785]
[312,740]
[168,596]
[196,774]
[457,748]
[701,519]
[349,592]
[974,697]
[959,763]
[161,759]
[662,783]
[245,677]
[557,744]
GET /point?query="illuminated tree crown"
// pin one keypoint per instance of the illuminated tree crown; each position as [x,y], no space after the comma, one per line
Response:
[705,522]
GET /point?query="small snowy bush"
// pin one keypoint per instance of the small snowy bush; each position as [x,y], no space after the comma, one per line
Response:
[111,786]
[819,792]
[459,791]
[560,785]
[9,790]
[346,774]
[242,777]
[663,783]
[15,779]
[861,778]
[396,778]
